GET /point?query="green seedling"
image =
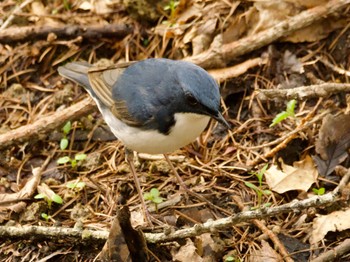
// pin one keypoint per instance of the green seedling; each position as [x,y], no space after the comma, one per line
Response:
[76,186]
[258,189]
[285,114]
[73,161]
[54,198]
[46,216]
[154,196]
[66,130]
[229,259]
[172,8]
[319,191]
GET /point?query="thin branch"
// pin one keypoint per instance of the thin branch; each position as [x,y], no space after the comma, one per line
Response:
[209,226]
[303,92]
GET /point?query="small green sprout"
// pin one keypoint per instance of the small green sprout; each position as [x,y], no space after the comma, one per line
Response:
[77,186]
[285,114]
[172,7]
[319,191]
[154,196]
[229,259]
[54,198]
[64,141]
[46,216]
[73,161]
[258,189]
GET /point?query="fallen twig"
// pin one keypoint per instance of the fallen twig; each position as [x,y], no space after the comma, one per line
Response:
[303,92]
[30,33]
[209,226]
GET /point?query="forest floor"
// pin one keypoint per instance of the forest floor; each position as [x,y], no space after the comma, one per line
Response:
[277,181]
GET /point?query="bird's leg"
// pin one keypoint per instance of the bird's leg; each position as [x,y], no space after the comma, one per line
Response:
[129,156]
[183,185]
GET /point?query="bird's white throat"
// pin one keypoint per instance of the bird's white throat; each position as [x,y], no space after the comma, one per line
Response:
[188,126]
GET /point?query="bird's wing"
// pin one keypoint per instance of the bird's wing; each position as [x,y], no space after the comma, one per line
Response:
[102,80]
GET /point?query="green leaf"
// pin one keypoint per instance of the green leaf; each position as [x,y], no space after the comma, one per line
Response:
[285,114]
[229,259]
[80,157]
[147,196]
[39,196]
[157,200]
[67,127]
[279,118]
[64,143]
[63,160]
[266,192]
[321,191]
[73,163]
[45,216]
[57,199]
[252,186]
[261,173]
[291,106]
[155,192]
[78,185]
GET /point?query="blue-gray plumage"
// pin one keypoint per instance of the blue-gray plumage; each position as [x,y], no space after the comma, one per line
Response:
[166,85]
[152,106]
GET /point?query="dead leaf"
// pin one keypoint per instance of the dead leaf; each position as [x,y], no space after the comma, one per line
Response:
[300,176]
[27,191]
[207,248]
[332,143]
[187,253]
[336,221]
[265,254]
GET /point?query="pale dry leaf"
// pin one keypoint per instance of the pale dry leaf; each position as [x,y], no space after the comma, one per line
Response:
[41,15]
[187,253]
[270,13]
[336,221]
[26,192]
[265,254]
[207,248]
[300,176]
[137,218]
[85,5]
[101,7]
[191,13]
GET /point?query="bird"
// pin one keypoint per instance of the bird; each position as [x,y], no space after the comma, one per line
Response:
[153,106]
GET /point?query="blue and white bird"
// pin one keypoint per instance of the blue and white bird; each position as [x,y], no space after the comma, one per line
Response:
[152,106]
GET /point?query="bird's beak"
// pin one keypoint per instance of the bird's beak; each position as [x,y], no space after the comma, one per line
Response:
[222,120]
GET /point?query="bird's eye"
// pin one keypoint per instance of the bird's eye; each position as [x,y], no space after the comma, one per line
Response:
[191,99]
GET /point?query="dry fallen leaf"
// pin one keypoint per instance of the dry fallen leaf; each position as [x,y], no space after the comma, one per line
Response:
[187,253]
[332,143]
[300,176]
[336,221]
[265,254]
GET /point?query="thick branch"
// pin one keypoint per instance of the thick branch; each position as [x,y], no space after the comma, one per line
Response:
[219,54]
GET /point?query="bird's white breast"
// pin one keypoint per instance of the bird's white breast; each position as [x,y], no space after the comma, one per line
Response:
[187,128]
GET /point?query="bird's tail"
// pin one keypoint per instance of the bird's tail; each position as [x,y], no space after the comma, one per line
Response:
[77,72]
